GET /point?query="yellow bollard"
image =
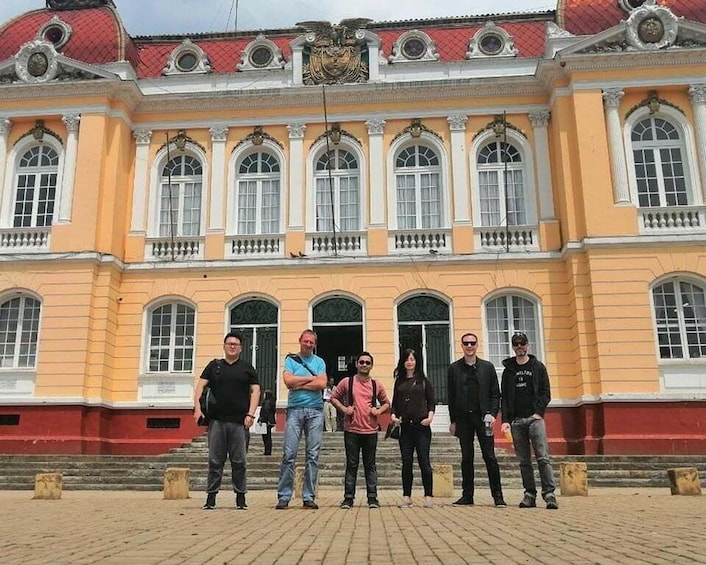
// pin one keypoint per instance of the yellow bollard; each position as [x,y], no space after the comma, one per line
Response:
[47,486]
[443,480]
[573,480]
[176,483]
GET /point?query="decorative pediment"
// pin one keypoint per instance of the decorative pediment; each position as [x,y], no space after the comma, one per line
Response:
[38,62]
[649,28]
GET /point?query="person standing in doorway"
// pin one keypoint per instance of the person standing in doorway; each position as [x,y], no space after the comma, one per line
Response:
[267,419]
[235,386]
[361,399]
[413,406]
[305,378]
[474,402]
[329,410]
[525,397]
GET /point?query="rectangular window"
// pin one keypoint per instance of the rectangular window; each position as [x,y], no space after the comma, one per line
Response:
[247,207]
[406,203]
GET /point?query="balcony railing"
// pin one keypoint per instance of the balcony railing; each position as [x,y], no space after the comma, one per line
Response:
[672,220]
[174,249]
[420,241]
[515,238]
[24,240]
[349,243]
[254,246]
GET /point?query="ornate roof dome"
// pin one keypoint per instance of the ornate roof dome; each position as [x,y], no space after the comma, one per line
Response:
[90,31]
[588,17]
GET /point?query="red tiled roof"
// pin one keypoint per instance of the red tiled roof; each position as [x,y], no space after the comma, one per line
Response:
[98,35]
[588,17]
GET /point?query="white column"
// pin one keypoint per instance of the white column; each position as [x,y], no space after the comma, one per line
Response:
[376,158]
[67,184]
[219,134]
[618,163]
[6,186]
[697,93]
[540,121]
[459,169]
[296,175]
[139,189]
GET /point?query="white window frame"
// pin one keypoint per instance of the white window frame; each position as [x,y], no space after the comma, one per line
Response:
[15,381]
[688,147]
[173,302]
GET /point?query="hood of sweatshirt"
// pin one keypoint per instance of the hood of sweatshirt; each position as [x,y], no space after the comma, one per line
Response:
[511,362]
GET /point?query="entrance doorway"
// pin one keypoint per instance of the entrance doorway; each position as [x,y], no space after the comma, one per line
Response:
[338,323]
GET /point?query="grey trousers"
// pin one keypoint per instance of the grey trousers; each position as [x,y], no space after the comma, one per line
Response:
[226,440]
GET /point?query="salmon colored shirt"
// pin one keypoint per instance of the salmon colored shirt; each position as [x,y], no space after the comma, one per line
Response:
[362,421]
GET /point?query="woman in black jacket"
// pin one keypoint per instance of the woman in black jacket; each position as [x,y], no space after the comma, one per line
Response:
[413,406]
[267,417]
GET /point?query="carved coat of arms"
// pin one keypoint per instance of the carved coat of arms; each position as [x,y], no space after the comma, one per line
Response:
[336,54]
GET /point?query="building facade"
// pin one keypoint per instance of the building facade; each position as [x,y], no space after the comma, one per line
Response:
[389,184]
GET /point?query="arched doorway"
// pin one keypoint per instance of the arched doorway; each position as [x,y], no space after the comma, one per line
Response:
[338,323]
[423,325]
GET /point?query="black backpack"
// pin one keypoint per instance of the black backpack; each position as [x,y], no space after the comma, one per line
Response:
[207,400]
[349,397]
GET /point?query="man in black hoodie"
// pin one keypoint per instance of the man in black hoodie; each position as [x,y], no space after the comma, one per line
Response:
[525,396]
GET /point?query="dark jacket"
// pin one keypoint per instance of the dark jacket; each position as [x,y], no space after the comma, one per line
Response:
[267,412]
[413,399]
[540,385]
[489,393]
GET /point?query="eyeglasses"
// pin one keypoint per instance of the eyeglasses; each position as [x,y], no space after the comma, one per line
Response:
[467,343]
[362,362]
[519,344]
[232,345]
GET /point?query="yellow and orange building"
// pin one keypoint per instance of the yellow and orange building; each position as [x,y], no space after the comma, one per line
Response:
[390,184]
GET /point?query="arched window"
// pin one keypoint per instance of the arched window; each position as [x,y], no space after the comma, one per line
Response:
[680,315]
[36,187]
[501,185]
[505,316]
[418,188]
[257,321]
[180,201]
[19,327]
[171,338]
[258,194]
[423,324]
[660,169]
[343,185]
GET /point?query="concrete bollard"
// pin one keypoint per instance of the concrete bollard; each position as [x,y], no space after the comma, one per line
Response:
[47,486]
[176,483]
[443,480]
[684,480]
[573,479]
[298,482]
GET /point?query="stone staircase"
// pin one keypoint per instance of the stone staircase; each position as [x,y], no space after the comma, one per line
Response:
[111,472]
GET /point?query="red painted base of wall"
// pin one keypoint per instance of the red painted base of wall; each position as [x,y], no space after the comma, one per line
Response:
[640,428]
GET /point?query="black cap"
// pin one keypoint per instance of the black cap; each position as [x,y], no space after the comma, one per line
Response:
[519,339]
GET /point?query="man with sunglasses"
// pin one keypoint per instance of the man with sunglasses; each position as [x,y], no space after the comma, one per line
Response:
[361,399]
[525,397]
[474,402]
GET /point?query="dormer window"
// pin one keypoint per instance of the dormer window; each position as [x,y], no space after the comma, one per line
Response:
[187,58]
[261,53]
[491,44]
[413,45]
[261,57]
[491,41]
[55,32]
[629,5]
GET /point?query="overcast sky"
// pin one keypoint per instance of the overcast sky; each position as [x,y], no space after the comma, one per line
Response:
[152,17]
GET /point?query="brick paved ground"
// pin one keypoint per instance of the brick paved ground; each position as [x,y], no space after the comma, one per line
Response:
[608,526]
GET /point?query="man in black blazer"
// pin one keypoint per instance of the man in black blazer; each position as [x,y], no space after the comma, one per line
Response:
[474,402]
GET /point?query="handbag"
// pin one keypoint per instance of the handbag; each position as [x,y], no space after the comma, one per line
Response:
[393,430]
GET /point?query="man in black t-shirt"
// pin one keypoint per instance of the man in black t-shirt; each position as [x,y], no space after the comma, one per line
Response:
[525,396]
[235,386]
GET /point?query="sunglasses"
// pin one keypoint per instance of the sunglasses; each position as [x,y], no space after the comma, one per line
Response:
[519,344]
[467,343]
[365,362]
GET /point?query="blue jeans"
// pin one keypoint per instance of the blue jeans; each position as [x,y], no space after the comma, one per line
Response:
[526,431]
[310,422]
[415,437]
[226,440]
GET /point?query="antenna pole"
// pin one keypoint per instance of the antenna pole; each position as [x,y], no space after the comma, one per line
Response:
[330,175]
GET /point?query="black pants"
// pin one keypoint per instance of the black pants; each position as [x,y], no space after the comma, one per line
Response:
[355,443]
[267,440]
[465,429]
[226,440]
[415,437]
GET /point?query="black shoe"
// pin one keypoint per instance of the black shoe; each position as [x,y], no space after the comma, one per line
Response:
[552,504]
[240,501]
[210,503]
[347,504]
[528,501]
[499,501]
[373,502]
[282,505]
[464,501]
[310,505]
